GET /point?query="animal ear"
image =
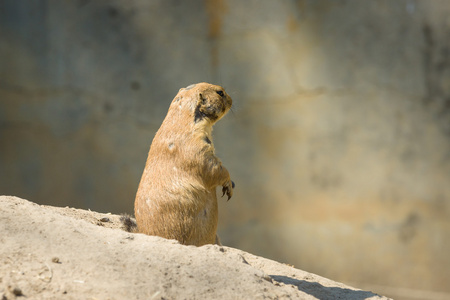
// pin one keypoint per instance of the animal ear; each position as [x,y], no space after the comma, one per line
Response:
[198,114]
[201,99]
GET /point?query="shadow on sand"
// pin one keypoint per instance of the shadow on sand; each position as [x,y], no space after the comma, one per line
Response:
[323,292]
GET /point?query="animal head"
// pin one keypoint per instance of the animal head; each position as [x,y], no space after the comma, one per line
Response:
[206,102]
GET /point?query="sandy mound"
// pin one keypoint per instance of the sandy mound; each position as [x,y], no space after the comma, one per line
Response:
[65,253]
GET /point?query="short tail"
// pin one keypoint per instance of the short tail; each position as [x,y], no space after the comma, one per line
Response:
[128,223]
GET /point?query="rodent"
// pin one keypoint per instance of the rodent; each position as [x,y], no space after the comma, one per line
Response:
[176,197]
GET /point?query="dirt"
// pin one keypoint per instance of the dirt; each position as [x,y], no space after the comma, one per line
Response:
[65,253]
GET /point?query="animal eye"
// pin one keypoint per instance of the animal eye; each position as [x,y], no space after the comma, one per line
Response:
[220,93]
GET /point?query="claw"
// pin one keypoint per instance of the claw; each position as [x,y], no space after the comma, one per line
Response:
[228,189]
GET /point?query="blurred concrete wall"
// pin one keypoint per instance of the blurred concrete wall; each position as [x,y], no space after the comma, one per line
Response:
[339,142]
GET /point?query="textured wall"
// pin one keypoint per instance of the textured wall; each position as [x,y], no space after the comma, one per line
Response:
[339,142]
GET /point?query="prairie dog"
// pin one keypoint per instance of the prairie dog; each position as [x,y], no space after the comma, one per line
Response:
[176,198]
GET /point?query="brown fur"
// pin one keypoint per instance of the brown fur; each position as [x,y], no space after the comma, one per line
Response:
[176,198]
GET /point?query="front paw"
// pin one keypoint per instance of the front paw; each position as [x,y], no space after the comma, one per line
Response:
[228,189]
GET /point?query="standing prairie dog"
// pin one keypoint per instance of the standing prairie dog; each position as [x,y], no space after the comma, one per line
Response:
[176,198]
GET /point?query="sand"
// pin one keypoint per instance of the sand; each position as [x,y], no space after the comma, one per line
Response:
[66,253]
